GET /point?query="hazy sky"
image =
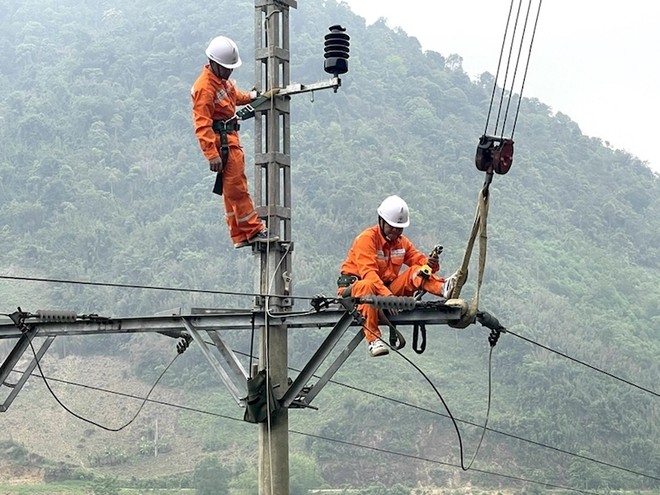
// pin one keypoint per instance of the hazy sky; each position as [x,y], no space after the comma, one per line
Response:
[594,60]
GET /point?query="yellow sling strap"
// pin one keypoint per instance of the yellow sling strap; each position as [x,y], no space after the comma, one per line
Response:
[479,227]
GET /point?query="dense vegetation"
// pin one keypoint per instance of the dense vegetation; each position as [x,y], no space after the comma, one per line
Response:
[102,180]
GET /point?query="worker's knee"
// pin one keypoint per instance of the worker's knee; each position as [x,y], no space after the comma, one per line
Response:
[362,288]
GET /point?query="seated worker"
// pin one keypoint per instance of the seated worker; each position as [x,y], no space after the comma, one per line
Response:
[373,264]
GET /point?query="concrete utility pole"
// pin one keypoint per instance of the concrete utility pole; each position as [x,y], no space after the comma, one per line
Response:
[273,192]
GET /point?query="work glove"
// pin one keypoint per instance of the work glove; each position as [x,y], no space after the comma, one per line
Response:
[215,164]
[433,263]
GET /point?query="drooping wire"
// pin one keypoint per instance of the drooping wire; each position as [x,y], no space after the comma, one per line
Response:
[492,340]
[357,389]
[499,432]
[321,437]
[82,418]
[435,461]
[538,443]
[444,403]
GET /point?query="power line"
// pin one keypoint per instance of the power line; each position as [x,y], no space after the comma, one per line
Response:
[344,442]
[252,294]
[146,287]
[584,364]
[499,432]
[137,397]
[380,396]
[503,433]
[435,461]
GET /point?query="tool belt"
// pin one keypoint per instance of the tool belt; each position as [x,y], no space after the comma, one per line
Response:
[347,280]
[226,126]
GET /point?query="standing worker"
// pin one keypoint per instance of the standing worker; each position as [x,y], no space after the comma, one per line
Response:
[373,264]
[214,99]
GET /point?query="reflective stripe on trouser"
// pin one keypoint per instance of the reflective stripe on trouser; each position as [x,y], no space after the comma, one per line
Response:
[240,214]
[405,284]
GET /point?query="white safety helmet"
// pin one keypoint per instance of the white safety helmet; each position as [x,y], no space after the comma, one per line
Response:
[224,51]
[394,211]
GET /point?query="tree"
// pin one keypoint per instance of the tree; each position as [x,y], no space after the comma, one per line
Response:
[304,474]
[210,477]
[106,485]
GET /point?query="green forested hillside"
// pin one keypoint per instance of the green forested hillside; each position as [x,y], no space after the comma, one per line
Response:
[102,180]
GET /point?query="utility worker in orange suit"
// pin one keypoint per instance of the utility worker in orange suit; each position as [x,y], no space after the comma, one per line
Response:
[214,101]
[373,267]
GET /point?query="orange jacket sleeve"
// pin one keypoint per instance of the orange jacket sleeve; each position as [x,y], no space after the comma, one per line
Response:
[413,255]
[243,98]
[203,106]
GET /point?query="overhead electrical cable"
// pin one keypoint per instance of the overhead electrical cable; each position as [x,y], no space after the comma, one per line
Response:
[178,289]
[334,440]
[575,360]
[146,287]
[380,396]
[82,418]
[132,396]
[435,461]
[499,432]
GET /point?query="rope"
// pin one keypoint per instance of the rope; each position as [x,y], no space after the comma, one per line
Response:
[511,74]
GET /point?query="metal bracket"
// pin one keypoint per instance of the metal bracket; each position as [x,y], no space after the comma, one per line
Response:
[230,359]
[298,392]
[287,278]
[293,89]
[12,359]
[281,246]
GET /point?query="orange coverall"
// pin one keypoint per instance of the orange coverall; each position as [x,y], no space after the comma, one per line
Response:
[377,263]
[216,99]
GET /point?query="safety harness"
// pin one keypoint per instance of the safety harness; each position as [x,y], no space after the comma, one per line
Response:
[222,127]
